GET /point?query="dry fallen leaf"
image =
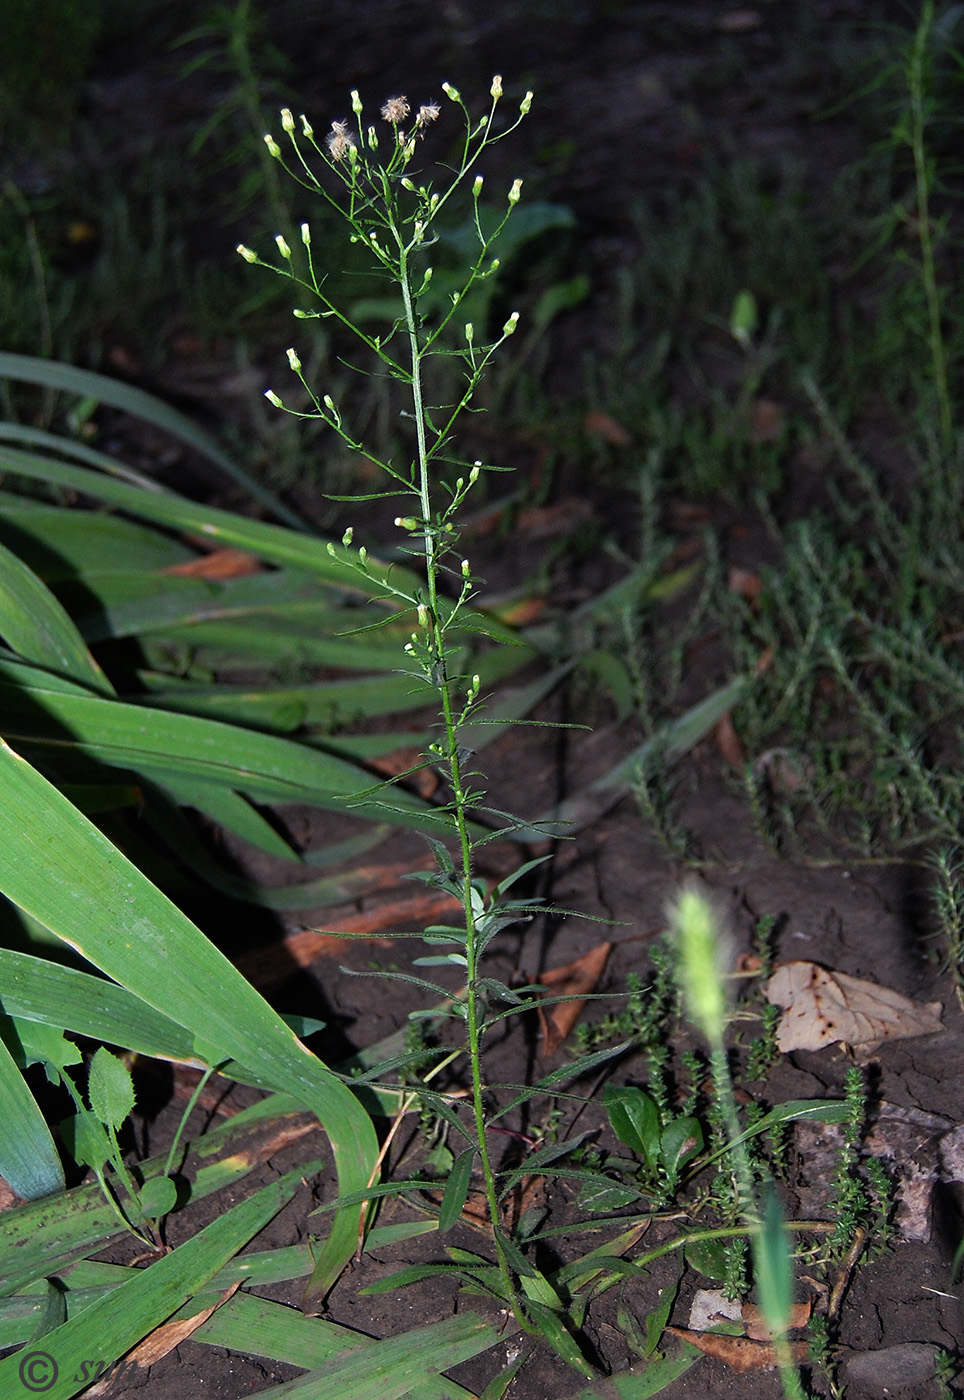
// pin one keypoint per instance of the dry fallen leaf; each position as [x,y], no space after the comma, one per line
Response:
[577,979]
[607,427]
[219,564]
[739,1353]
[728,742]
[160,1343]
[757,1329]
[821,1008]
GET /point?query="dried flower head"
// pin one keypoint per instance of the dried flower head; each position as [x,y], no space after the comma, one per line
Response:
[428,112]
[396,109]
[338,141]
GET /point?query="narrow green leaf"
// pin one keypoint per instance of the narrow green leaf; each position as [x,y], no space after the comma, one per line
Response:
[29,1162]
[640,1382]
[88,384]
[553,1328]
[36,626]
[456,1190]
[117,1322]
[395,1366]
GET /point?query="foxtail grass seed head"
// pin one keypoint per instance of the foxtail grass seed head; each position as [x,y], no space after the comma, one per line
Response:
[495,90]
[247,253]
[700,954]
[283,248]
[293,361]
[395,110]
[272,146]
[287,119]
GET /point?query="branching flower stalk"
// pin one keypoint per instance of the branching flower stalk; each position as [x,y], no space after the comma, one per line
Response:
[394,217]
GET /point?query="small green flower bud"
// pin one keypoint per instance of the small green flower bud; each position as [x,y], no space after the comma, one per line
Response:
[408,184]
[306,235]
[272,397]
[293,361]
[356,102]
[451,92]
[476,684]
[510,325]
[362,554]
[283,248]
[287,120]
[306,127]
[273,146]
[409,648]
[422,615]
[459,484]
[465,568]
[331,549]
[372,138]
[515,194]
[329,403]
[496,89]
[469,332]
[347,537]
[525,105]
[406,522]
[477,187]
[247,254]
[474,473]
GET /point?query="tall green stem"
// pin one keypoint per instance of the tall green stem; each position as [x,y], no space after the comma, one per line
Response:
[453,764]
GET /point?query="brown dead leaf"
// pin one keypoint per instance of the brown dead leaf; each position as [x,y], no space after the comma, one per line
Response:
[821,1008]
[739,1353]
[8,1198]
[270,965]
[411,764]
[728,742]
[739,21]
[766,421]
[757,1329]
[161,1342]
[607,427]
[219,564]
[746,582]
[577,979]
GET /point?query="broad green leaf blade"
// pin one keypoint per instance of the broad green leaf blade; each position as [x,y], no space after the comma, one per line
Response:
[110,1088]
[29,1162]
[60,869]
[395,1366]
[117,1322]
[36,626]
[87,384]
[61,544]
[26,436]
[271,542]
[635,1120]
[49,719]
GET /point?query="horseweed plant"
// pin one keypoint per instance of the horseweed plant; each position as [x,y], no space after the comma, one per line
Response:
[394,217]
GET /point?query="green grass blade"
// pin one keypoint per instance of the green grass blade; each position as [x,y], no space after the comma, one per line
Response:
[87,384]
[112,1325]
[29,1161]
[36,626]
[640,1382]
[395,1366]
[25,436]
[59,544]
[271,542]
[60,869]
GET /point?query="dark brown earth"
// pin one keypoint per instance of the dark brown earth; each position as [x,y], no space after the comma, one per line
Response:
[632,100]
